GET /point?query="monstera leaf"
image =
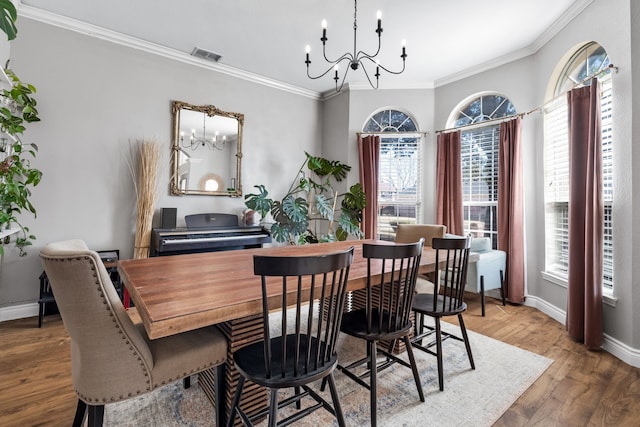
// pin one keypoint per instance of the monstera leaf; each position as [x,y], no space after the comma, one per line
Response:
[8,15]
[307,213]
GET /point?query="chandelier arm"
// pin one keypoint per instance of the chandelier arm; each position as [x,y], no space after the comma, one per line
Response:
[362,54]
[344,77]
[366,73]
[391,71]
[347,55]
[333,64]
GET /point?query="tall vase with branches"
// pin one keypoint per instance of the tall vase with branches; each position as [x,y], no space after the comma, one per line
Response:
[147,195]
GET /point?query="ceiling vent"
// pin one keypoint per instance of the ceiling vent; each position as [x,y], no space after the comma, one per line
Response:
[205,54]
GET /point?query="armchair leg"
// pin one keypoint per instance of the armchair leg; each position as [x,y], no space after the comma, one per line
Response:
[186,382]
[502,290]
[482,293]
[81,411]
[96,415]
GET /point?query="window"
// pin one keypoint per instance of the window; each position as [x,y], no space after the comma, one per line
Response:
[590,60]
[400,159]
[479,163]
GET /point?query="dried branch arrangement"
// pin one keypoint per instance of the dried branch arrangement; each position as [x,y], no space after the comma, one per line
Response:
[147,194]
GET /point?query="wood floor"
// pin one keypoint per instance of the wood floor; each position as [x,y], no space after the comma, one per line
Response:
[581,387]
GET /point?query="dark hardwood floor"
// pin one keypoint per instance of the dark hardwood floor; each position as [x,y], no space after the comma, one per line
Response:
[580,388]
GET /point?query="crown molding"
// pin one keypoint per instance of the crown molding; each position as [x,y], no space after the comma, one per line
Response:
[574,10]
[90,30]
[155,49]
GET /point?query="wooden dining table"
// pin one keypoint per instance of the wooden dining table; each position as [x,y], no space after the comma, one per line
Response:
[178,293]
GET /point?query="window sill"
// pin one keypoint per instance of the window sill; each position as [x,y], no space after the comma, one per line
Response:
[607,296]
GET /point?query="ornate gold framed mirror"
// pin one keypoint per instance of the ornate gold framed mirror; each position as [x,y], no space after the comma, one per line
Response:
[206,152]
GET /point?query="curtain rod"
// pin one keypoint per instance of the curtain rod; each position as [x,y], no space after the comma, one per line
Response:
[513,116]
[424,133]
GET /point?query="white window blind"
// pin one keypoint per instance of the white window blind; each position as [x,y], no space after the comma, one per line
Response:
[556,180]
[398,183]
[479,164]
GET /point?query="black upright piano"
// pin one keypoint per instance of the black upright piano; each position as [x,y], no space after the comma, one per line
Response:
[207,233]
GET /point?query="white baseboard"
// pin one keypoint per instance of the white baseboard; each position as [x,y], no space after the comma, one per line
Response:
[21,311]
[629,355]
[552,311]
[622,351]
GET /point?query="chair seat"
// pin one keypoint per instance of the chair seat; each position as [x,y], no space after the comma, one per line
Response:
[354,323]
[423,303]
[203,348]
[249,360]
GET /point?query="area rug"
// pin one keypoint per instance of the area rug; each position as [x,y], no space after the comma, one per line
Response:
[470,397]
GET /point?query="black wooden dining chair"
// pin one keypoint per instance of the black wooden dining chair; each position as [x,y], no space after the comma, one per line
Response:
[300,347]
[386,314]
[447,299]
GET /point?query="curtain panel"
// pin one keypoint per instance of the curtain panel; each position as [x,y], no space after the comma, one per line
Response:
[449,183]
[511,207]
[586,213]
[369,160]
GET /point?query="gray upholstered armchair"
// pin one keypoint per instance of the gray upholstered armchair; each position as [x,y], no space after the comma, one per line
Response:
[488,271]
[112,359]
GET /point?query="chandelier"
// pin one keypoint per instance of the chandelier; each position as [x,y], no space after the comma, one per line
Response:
[196,141]
[356,59]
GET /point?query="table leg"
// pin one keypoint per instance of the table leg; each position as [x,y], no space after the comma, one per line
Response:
[239,333]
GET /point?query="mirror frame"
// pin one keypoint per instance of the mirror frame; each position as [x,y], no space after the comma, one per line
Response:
[209,110]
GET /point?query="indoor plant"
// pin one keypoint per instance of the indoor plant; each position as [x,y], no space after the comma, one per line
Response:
[307,212]
[17,107]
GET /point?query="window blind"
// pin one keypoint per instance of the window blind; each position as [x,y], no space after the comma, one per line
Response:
[479,164]
[556,184]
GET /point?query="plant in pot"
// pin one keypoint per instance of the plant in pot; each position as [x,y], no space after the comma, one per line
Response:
[312,210]
[17,177]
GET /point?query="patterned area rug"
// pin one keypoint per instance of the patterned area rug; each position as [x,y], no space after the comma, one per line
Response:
[470,397]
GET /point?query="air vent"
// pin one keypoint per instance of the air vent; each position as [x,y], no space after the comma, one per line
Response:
[205,54]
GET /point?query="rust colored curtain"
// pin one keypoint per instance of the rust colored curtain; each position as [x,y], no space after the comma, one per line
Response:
[369,156]
[511,208]
[586,214]
[449,183]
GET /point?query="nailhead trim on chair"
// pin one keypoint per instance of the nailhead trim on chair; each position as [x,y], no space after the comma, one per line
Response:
[120,331]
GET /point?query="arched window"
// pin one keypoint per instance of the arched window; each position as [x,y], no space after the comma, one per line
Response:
[400,175]
[479,161]
[589,60]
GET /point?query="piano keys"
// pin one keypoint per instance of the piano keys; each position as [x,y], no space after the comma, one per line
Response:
[207,233]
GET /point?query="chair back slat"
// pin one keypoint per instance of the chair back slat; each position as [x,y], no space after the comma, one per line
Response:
[390,297]
[452,254]
[313,290]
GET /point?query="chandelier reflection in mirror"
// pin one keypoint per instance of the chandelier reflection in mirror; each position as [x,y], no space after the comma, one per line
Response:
[356,59]
[195,141]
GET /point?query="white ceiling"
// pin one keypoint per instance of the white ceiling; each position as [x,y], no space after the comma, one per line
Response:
[445,39]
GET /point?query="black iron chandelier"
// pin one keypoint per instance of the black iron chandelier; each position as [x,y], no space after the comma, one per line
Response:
[196,141]
[356,59]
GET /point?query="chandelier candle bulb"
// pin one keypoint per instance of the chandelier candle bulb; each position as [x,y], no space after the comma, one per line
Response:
[379,17]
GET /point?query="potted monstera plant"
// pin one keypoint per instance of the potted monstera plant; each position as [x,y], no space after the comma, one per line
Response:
[312,210]
[17,176]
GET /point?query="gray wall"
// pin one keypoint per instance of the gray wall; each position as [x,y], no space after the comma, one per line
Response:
[94,98]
